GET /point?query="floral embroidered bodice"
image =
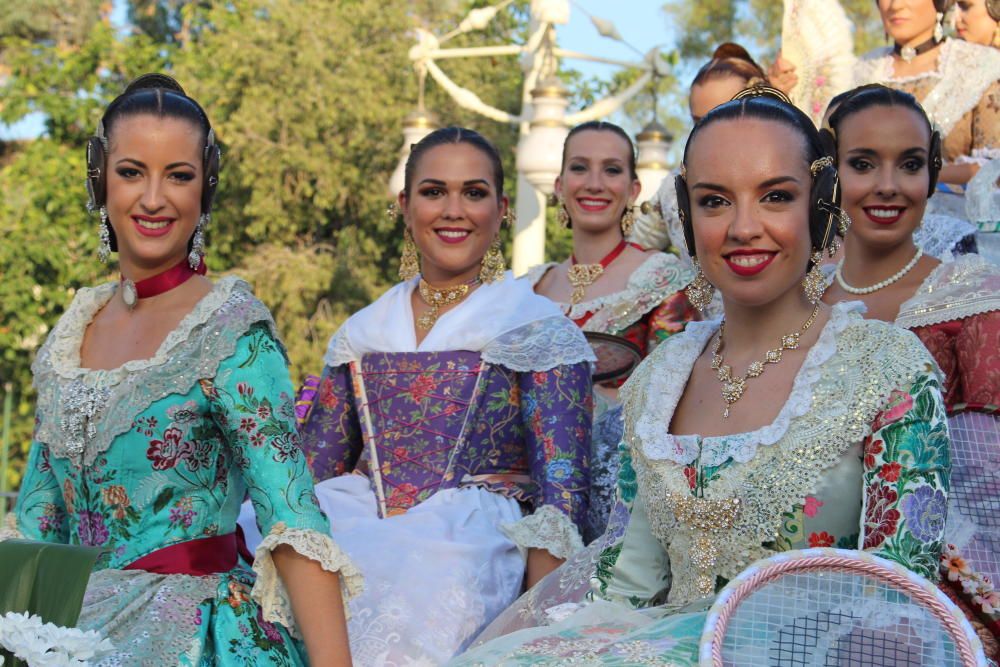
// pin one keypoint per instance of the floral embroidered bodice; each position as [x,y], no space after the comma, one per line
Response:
[857,457]
[164,450]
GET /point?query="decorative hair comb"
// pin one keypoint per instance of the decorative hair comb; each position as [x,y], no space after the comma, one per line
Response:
[760,89]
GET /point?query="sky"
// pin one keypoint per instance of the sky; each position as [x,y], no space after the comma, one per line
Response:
[641,23]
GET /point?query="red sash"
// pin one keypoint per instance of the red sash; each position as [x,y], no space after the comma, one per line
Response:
[200,557]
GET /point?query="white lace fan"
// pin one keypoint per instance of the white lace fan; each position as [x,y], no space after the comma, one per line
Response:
[835,607]
[816,38]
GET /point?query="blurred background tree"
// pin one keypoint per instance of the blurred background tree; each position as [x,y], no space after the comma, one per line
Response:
[308,98]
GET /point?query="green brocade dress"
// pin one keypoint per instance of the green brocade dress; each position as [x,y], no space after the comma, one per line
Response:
[857,458]
[162,451]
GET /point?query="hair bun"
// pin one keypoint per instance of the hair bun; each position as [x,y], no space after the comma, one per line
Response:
[154,80]
[732,50]
[993,9]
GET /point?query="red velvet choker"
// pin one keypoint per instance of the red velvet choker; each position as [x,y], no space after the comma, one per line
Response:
[162,282]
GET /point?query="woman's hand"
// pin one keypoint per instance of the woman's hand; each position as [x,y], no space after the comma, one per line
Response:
[317,606]
[782,75]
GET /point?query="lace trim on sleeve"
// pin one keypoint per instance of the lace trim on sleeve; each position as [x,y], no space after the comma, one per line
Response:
[967,286]
[547,528]
[982,197]
[339,351]
[540,346]
[269,591]
[82,411]
[10,531]
[537,272]
[937,235]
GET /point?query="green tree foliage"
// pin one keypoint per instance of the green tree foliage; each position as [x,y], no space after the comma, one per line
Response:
[307,97]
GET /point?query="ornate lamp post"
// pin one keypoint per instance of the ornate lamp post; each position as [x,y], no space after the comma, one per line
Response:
[543,119]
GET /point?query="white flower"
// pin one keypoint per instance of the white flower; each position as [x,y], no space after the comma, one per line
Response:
[48,645]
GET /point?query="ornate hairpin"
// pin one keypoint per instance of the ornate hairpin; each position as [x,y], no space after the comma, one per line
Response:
[762,90]
[684,171]
[820,164]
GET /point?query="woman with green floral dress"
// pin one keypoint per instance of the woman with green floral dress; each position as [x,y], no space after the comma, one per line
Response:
[163,400]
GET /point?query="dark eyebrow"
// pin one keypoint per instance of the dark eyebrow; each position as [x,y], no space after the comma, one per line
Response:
[475,181]
[777,180]
[916,150]
[139,163]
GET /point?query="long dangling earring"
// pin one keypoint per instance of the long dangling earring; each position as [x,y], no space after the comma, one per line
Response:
[198,242]
[939,27]
[493,266]
[409,261]
[814,283]
[562,215]
[628,220]
[699,291]
[104,247]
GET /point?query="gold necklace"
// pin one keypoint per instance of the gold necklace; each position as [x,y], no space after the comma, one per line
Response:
[439,298]
[581,276]
[733,387]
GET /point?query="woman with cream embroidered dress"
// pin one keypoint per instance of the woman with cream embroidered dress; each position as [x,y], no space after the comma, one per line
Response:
[451,423]
[609,285]
[789,424]
[163,399]
[888,159]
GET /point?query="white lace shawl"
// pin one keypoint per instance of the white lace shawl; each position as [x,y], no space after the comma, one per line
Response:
[506,322]
[982,196]
[938,234]
[966,286]
[81,411]
[659,277]
[546,528]
[964,72]
[843,382]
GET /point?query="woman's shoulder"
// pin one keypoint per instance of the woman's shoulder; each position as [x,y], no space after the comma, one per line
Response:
[535,274]
[965,286]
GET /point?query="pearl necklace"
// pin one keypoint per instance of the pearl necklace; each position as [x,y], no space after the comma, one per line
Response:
[877,286]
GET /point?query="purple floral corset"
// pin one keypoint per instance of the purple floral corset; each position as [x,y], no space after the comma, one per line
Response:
[414,411]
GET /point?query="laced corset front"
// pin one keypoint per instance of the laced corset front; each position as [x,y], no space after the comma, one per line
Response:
[414,413]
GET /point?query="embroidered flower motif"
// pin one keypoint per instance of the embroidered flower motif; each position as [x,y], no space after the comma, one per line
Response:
[51,519]
[185,413]
[244,389]
[691,475]
[327,398]
[540,378]
[69,496]
[91,529]
[421,387]
[899,404]
[257,439]
[925,510]
[872,449]
[238,594]
[263,412]
[890,471]
[181,517]
[248,425]
[404,495]
[880,515]
[270,630]
[116,497]
[811,506]
[559,470]
[166,453]
[954,566]
[823,539]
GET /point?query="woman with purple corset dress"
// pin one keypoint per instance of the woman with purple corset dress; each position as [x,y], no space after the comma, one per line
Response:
[451,424]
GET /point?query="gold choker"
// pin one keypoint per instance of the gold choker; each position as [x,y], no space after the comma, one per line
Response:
[440,298]
[733,387]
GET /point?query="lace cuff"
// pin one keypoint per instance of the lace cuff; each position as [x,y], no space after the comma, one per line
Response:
[269,591]
[10,531]
[548,529]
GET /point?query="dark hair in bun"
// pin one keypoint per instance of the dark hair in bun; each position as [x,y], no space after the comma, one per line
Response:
[730,60]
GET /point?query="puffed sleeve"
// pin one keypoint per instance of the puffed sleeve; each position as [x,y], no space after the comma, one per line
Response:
[906,473]
[251,402]
[556,410]
[41,509]
[635,571]
[986,123]
[669,318]
[331,435]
